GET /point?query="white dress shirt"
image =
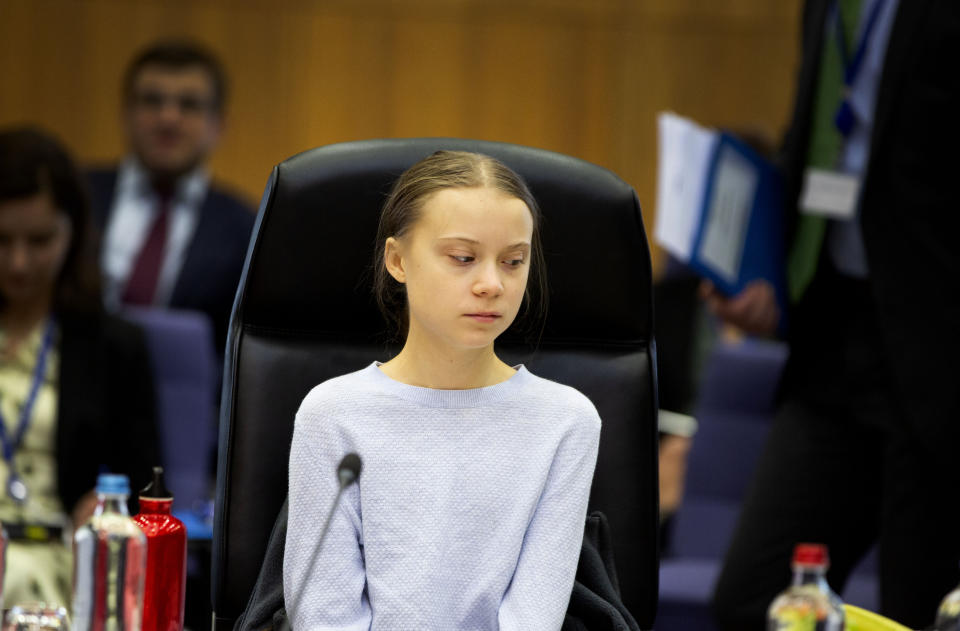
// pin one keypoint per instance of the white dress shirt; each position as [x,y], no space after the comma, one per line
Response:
[131,217]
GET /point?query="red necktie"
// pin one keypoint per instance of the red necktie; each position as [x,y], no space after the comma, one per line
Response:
[142,284]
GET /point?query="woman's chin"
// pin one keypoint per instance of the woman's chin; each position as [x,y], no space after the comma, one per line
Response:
[16,293]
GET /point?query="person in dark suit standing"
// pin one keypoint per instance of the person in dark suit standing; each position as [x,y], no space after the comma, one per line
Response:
[863,448]
[170,237]
[76,390]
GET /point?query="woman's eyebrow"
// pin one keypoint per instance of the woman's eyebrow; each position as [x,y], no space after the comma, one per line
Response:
[518,244]
[457,238]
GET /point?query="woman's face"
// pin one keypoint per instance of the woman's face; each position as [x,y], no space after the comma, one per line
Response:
[34,238]
[465,264]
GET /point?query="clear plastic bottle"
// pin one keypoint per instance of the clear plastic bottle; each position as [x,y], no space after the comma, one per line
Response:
[948,615]
[808,604]
[110,556]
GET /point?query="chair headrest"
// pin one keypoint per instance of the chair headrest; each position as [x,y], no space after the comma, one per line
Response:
[295,285]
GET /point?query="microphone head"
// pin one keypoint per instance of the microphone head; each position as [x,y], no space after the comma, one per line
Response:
[349,470]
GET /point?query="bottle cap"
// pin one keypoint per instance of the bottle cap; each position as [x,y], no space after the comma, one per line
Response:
[156,490]
[811,554]
[113,484]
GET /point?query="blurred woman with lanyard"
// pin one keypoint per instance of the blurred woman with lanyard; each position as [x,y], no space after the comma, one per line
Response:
[76,395]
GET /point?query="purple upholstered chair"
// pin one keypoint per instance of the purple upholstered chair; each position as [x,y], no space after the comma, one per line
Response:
[735,407]
[185,378]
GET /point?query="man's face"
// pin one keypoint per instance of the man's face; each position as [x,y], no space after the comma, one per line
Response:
[172,122]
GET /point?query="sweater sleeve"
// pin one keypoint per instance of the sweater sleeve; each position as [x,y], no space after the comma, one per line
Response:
[332,594]
[543,579]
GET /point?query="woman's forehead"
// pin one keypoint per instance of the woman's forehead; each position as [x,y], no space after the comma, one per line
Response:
[453,208]
[30,209]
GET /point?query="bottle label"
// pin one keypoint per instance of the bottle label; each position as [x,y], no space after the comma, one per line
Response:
[795,618]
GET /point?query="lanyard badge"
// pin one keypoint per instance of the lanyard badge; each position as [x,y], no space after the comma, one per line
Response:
[16,488]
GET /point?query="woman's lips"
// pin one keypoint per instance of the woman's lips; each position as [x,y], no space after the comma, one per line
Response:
[484,316]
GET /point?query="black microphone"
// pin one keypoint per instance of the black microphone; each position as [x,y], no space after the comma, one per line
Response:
[348,472]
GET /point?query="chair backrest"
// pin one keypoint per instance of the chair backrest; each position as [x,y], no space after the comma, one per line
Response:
[185,379]
[305,312]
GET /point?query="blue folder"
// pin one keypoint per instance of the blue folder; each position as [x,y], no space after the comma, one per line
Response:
[758,251]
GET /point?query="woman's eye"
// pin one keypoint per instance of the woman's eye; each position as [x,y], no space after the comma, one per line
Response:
[513,262]
[461,259]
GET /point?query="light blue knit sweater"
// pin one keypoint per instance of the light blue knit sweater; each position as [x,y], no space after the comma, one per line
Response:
[468,514]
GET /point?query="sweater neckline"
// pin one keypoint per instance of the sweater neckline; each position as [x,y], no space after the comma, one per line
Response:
[437,398]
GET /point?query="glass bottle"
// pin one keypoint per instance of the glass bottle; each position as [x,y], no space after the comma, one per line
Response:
[948,615]
[808,604]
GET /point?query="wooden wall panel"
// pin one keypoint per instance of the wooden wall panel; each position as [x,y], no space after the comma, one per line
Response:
[583,77]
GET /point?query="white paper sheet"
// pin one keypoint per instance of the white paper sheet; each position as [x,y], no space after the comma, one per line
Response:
[684,154]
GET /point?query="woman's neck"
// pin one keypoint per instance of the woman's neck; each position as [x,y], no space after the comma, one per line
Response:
[443,369]
[18,319]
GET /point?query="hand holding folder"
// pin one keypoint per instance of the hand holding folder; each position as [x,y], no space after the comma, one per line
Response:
[755,310]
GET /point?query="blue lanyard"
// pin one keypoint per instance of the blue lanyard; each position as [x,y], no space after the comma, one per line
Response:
[39,371]
[845,117]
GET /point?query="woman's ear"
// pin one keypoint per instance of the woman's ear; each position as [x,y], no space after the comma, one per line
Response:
[393,260]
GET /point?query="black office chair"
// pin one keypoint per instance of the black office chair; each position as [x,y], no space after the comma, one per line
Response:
[305,312]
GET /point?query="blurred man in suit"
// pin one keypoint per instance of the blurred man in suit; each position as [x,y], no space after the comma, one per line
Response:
[863,448]
[169,236]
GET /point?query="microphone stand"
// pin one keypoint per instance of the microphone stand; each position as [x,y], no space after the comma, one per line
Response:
[348,472]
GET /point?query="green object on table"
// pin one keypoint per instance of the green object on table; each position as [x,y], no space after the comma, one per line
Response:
[858,619]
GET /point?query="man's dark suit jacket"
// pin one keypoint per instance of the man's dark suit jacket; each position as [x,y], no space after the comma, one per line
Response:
[106,417]
[214,260]
[910,212]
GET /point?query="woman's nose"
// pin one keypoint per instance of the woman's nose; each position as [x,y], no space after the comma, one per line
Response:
[19,256]
[488,281]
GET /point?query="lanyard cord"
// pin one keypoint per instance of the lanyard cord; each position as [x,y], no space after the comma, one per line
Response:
[851,67]
[39,371]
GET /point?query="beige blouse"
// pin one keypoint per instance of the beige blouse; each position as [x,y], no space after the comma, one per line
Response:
[35,571]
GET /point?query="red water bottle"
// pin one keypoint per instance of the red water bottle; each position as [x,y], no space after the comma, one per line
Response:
[166,580]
